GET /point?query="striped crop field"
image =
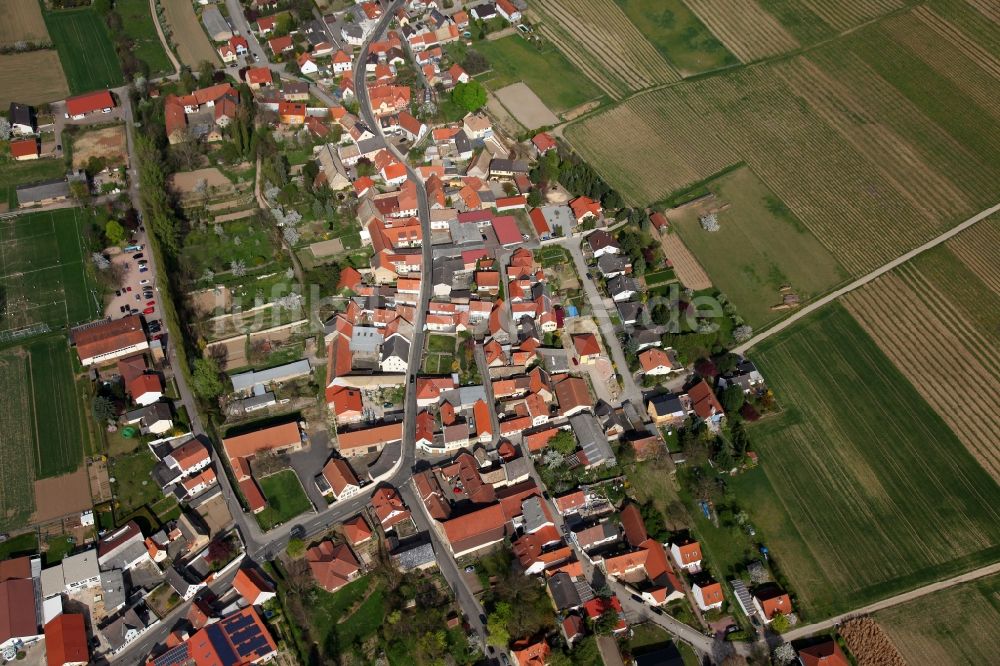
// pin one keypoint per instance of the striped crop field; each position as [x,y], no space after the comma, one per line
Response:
[598,38]
[948,628]
[877,140]
[863,490]
[940,324]
[744,28]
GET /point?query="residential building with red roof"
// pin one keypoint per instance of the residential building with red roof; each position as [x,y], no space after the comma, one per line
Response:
[507,232]
[291,113]
[356,530]
[543,142]
[687,554]
[585,208]
[540,224]
[708,595]
[827,653]
[573,396]
[345,402]
[655,361]
[705,405]
[332,565]
[66,641]
[251,584]
[368,440]
[587,347]
[237,639]
[342,480]
[279,45]
[189,458]
[388,507]
[597,606]
[770,600]
[528,653]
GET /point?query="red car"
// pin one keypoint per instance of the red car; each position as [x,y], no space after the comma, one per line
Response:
[150,303]
[147,311]
[128,288]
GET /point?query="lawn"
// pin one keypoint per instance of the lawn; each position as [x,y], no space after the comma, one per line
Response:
[22,544]
[950,627]
[133,486]
[553,255]
[327,612]
[242,240]
[42,270]
[678,34]
[760,247]
[85,49]
[285,498]
[863,491]
[441,344]
[139,27]
[659,277]
[14,173]
[59,547]
[546,71]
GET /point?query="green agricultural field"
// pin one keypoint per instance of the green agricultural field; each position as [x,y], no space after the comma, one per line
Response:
[22,544]
[139,27]
[948,628]
[58,415]
[43,275]
[804,24]
[285,498]
[85,49]
[678,34]
[14,173]
[17,468]
[548,73]
[863,491]
[760,247]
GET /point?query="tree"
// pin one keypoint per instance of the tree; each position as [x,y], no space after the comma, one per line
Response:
[206,74]
[103,408]
[114,232]
[80,191]
[206,380]
[496,624]
[780,623]
[607,622]
[564,442]
[296,548]
[4,129]
[740,439]
[705,368]
[187,79]
[475,63]
[470,96]
[364,167]
[534,197]
[732,398]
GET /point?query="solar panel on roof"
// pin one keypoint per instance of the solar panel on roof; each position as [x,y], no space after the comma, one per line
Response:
[258,645]
[173,657]
[222,648]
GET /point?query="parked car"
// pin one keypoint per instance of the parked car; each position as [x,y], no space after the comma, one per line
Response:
[150,303]
[118,292]
[148,311]
[122,309]
[137,256]
[128,288]
[144,281]
[470,569]
[143,269]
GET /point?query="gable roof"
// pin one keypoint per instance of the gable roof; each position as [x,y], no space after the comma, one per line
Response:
[586,344]
[89,102]
[66,640]
[632,523]
[108,336]
[703,400]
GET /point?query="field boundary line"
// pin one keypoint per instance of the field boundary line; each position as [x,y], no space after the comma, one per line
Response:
[899,599]
[865,279]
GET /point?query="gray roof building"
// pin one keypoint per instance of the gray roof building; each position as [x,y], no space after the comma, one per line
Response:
[563,591]
[113,589]
[397,346]
[215,24]
[365,339]
[246,381]
[415,556]
[44,192]
[591,437]
[611,264]
[534,515]
[127,627]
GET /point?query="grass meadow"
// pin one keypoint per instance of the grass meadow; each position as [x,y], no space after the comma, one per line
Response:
[548,73]
[440,354]
[14,173]
[678,34]
[948,628]
[863,491]
[85,49]
[42,272]
[285,498]
[139,27]
[760,247]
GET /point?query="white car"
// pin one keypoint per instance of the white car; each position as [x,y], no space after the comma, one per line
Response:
[143,281]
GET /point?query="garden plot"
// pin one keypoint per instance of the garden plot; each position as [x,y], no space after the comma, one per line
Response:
[525,106]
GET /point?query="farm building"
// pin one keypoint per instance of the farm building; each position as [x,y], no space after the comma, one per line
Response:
[22,119]
[24,149]
[43,193]
[241,448]
[82,106]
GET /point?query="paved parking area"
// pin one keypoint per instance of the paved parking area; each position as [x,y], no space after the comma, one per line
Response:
[135,282]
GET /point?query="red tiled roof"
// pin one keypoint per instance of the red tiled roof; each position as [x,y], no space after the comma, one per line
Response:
[339,475]
[822,654]
[538,222]
[251,584]
[375,436]
[66,640]
[586,344]
[543,141]
[356,530]
[703,400]
[23,147]
[108,337]
[17,609]
[89,102]
[332,565]
[632,523]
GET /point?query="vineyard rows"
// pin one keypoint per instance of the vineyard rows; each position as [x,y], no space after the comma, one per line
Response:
[988,8]
[563,42]
[663,127]
[920,337]
[977,78]
[979,250]
[845,14]
[744,28]
[954,36]
[621,58]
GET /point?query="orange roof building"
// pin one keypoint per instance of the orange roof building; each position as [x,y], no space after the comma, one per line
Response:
[343,482]
[253,587]
[389,507]
[823,654]
[357,530]
[369,440]
[332,566]
[708,595]
[771,600]
[81,105]
[586,346]
[704,403]
[109,340]
[24,149]
[66,641]
[526,653]
[687,554]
